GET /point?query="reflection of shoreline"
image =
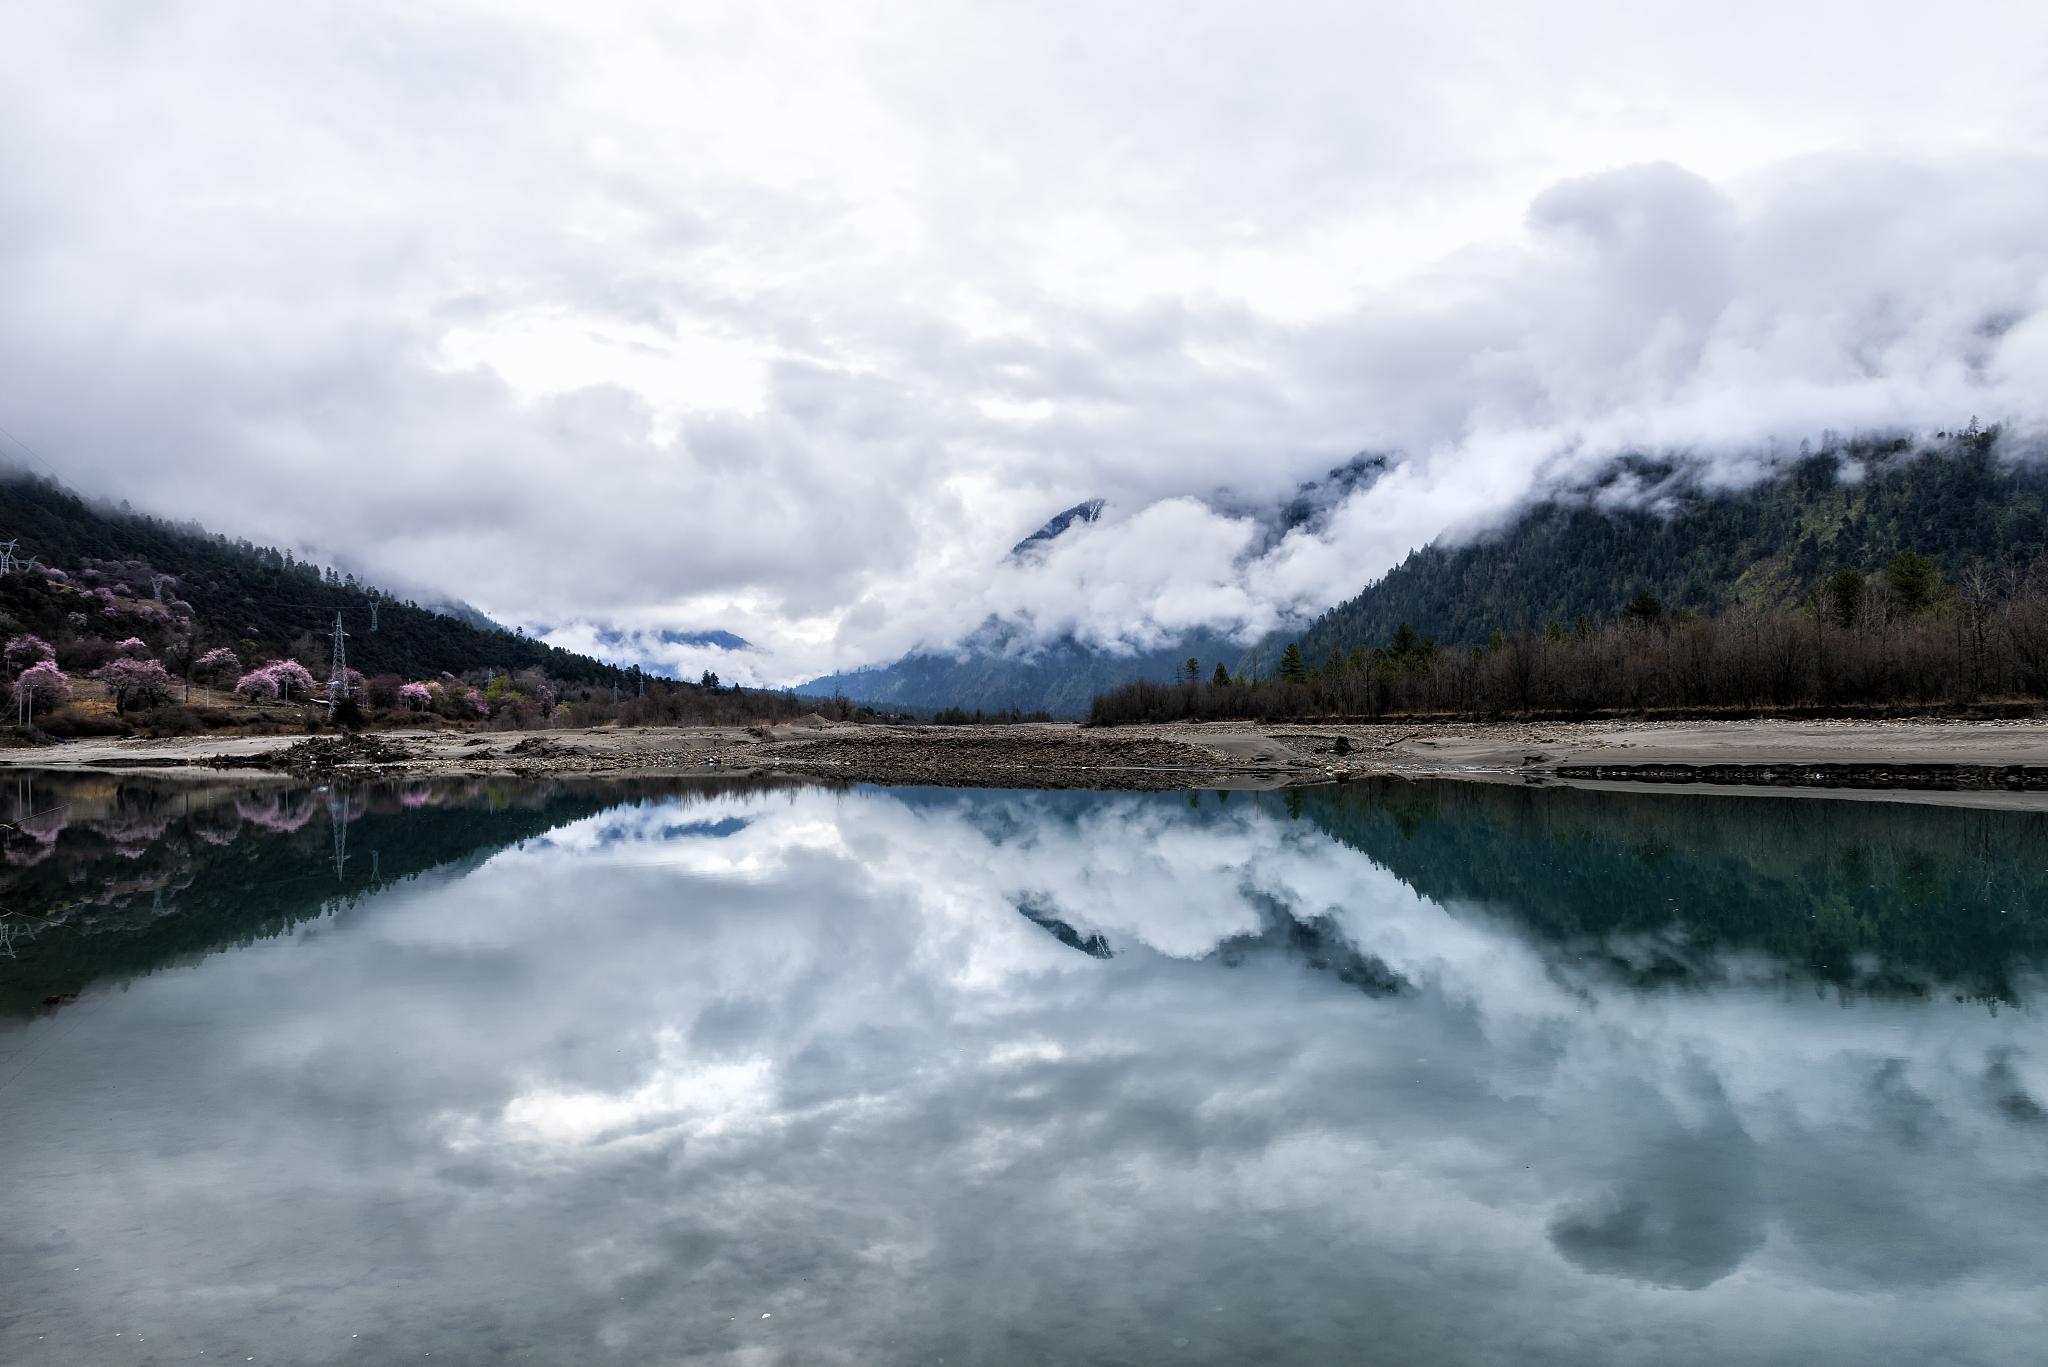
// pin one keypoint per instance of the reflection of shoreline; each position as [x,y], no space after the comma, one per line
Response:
[114,876]
[111,876]
[1869,897]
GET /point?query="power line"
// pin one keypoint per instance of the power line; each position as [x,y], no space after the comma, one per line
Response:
[32,453]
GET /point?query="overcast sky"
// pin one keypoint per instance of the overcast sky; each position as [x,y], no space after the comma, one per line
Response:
[792,319]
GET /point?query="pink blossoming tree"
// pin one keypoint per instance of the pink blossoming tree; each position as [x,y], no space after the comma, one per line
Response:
[217,666]
[258,685]
[42,683]
[24,651]
[286,679]
[143,683]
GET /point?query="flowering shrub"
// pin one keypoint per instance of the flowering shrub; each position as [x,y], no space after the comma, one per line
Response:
[76,619]
[293,681]
[25,651]
[258,685]
[285,679]
[143,682]
[416,697]
[218,664]
[135,648]
[42,684]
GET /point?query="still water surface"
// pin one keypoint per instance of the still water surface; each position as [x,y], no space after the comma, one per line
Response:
[686,1073]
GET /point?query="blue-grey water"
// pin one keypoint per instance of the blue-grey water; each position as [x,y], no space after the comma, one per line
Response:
[758,1074]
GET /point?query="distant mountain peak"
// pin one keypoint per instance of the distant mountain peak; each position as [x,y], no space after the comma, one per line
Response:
[1056,526]
[1314,499]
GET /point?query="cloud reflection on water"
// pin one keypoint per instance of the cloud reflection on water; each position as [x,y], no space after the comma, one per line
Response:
[620,1090]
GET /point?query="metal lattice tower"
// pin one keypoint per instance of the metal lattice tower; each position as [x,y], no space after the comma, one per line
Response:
[337,687]
[337,817]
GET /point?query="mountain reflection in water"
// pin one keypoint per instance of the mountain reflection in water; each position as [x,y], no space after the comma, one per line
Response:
[698,1072]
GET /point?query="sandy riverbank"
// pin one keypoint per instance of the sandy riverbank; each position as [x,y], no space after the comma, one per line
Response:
[1862,755]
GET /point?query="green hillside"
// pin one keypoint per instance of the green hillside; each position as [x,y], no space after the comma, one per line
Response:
[1578,555]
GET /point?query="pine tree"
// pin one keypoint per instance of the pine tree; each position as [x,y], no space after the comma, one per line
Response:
[1291,667]
[1914,580]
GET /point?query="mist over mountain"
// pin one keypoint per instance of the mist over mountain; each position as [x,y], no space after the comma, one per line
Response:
[1669,526]
[1662,526]
[809,384]
[1006,665]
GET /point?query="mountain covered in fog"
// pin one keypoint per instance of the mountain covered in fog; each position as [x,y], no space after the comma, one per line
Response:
[1002,667]
[1663,526]
[1658,526]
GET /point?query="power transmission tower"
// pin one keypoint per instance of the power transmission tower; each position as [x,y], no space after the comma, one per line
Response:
[11,563]
[373,614]
[337,687]
[337,817]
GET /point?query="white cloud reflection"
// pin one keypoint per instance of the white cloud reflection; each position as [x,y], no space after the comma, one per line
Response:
[627,1088]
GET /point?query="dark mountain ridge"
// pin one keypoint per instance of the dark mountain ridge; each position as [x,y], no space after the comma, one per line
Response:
[195,589]
[1656,526]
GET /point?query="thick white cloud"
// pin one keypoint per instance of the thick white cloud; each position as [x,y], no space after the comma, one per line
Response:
[790,321]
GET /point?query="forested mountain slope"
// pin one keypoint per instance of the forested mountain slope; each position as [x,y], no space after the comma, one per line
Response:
[1654,527]
[1059,678]
[251,598]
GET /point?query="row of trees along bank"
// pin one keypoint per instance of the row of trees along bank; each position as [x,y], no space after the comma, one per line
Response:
[1899,637]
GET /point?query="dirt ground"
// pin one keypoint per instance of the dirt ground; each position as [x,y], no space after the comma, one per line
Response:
[2010,755]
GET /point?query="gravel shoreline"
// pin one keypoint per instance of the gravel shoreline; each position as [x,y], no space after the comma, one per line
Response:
[1880,755]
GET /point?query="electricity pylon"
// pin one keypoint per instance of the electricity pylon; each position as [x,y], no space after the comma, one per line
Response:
[337,687]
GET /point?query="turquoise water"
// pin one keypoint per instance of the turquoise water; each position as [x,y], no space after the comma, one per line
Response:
[693,1073]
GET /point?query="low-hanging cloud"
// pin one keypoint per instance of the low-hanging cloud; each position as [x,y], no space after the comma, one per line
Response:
[1649,310]
[794,331]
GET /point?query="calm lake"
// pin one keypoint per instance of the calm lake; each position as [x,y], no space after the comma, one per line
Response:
[736,1073]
